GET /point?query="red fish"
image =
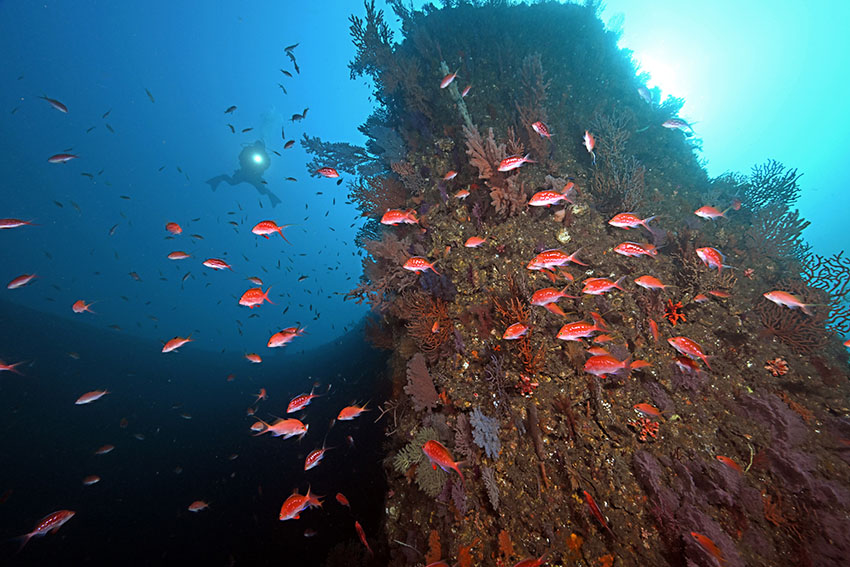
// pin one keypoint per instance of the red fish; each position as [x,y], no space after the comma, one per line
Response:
[49,524]
[650,282]
[253,358]
[447,80]
[81,306]
[285,428]
[548,295]
[629,220]
[173,228]
[515,331]
[710,213]
[256,281]
[594,509]
[176,343]
[689,348]
[267,227]
[788,300]
[362,535]
[397,216]
[439,455]
[13,223]
[350,412]
[514,162]
[315,457]
[178,255]
[709,546]
[581,329]
[602,365]
[10,367]
[541,129]
[91,479]
[296,503]
[647,409]
[548,198]
[328,172]
[300,402]
[700,298]
[553,258]
[55,104]
[730,463]
[634,249]
[590,143]
[419,264]
[598,286]
[104,449]
[462,194]
[261,395]
[474,241]
[712,258]
[217,264]
[340,497]
[465,91]
[254,297]
[20,281]
[450,175]
[284,337]
[61,158]
[198,506]
[653,328]
[90,397]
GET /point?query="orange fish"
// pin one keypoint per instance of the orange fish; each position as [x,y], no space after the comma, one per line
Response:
[350,412]
[594,509]
[90,397]
[709,546]
[256,281]
[340,497]
[91,479]
[173,228]
[178,255]
[513,162]
[603,365]
[176,343]
[104,449]
[49,524]
[284,337]
[262,395]
[589,143]
[547,295]
[450,175]
[267,227]
[598,286]
[710,213]
[653,328]
[553,258]
[10,367]
[578,330]
[786,299]
[447,80]
[254,297]
[20,281]
[198,506]
[419,264]
[296,503]
[302,401]
[647,409]
[362,535]
[217,264]
[315,457]
[328,172]
[651,282]
[730,463]
[515,331]
[689,348]
[285,428]
[712,258]
[81,306]
[635,249]
[439,455]
[474,241]
[720,293]
[253,357]
[13,223]
[397,216]
[630,220]
[462,194]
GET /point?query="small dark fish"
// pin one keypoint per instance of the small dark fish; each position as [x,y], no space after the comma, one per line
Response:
[112,230]
[282,88]
[178,169]
[105,114]
[150,96]
[246,130]
[302,278]
[339,181]
[108,127]
[5,496]
[291,179]
[296,118]
[90,129]
[55,104]
[161,168]
[76,207]
[288,144]
[58,204]
[230,109]
[89,175]
[287,73]
[198,236]
[135,276]
[304,114]
[125,197]
[291,47]
[275,152]
[232,129]
[14,110]
[185,277]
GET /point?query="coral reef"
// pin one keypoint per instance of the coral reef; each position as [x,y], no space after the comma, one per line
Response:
[753,461]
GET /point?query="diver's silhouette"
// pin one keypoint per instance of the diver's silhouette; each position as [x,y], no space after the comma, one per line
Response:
[253,162]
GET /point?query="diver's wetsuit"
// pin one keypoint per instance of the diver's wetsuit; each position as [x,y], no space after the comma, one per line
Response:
[249,172]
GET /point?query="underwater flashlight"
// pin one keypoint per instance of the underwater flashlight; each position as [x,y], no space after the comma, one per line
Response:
[258,158]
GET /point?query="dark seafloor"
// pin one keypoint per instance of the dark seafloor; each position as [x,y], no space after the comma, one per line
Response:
[540,438]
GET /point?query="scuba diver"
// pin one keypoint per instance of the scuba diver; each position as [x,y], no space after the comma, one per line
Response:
[253,162]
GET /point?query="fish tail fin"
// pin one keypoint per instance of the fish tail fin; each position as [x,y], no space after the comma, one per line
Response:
[598,321]
[431,265]
[266,296]
[807,308]
[618,282]
[526,160]
[645,222]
